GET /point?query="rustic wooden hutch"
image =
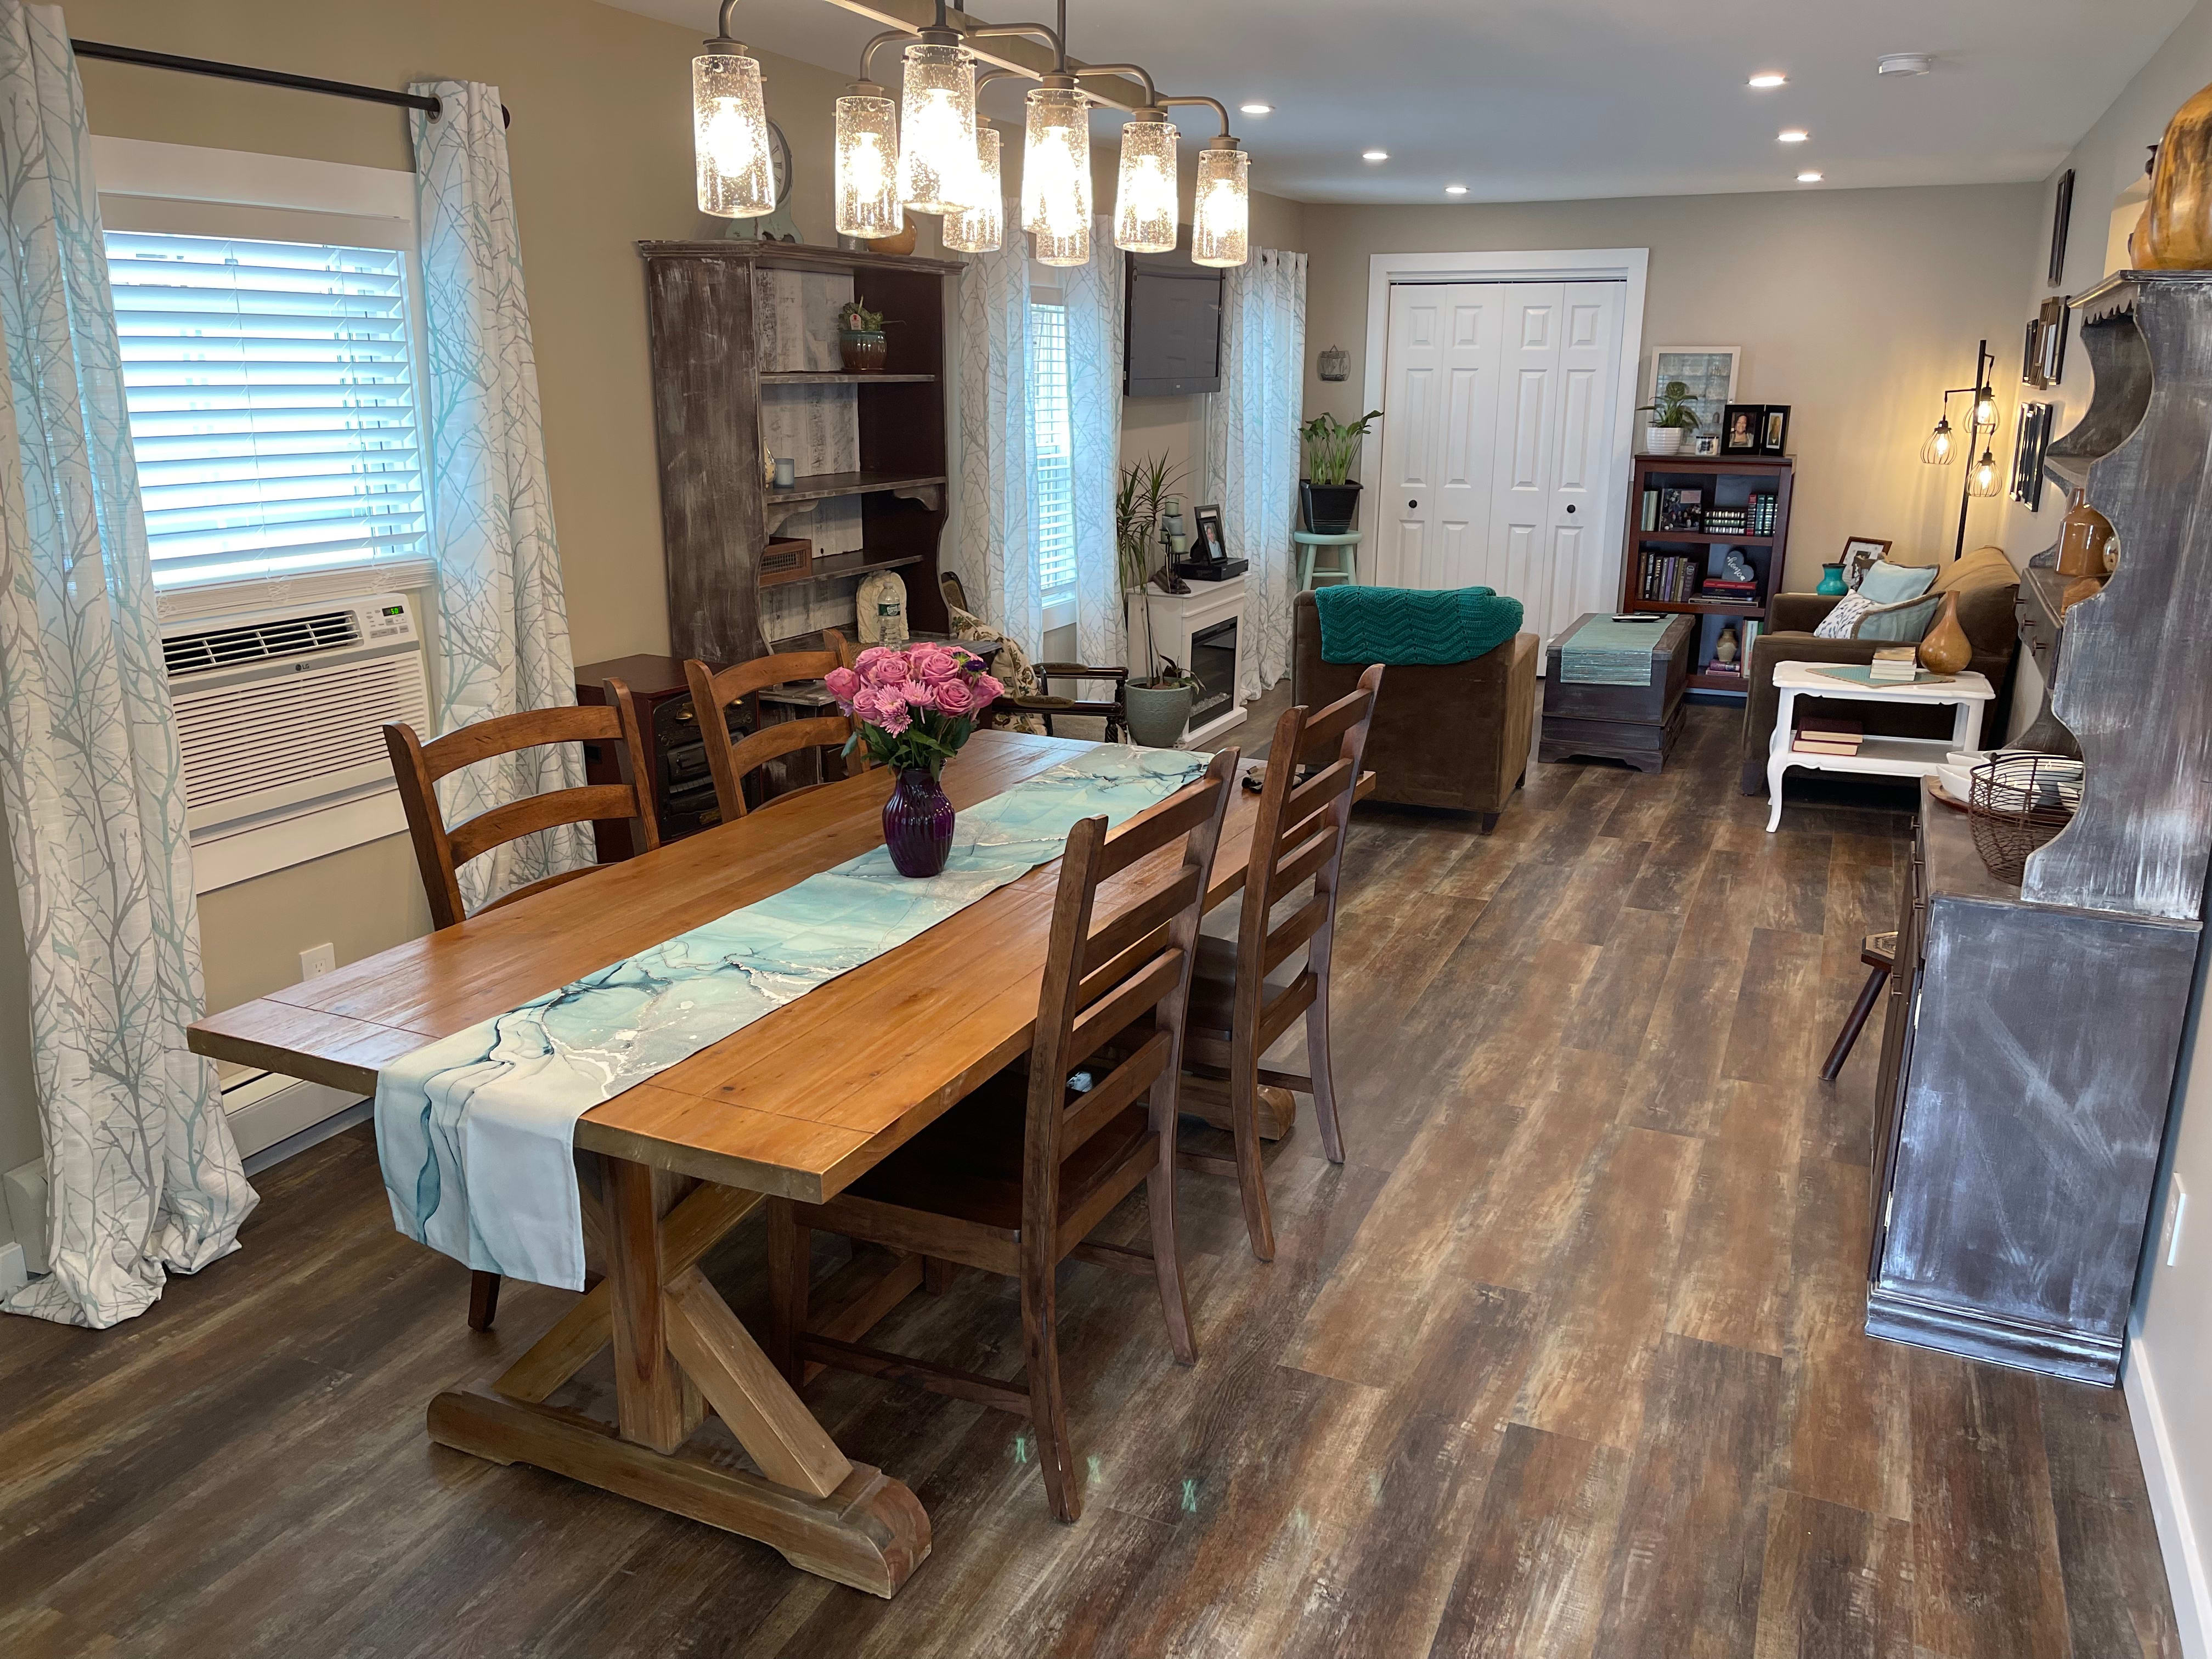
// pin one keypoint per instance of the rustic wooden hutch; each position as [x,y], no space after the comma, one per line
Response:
[744,355]
[2033,1032]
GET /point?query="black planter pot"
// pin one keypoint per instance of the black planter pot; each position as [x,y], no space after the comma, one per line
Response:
[1329,508]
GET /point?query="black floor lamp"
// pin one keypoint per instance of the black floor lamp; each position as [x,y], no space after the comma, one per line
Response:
[1942,443]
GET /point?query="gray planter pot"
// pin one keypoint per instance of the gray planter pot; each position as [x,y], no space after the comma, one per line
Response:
[1157,716]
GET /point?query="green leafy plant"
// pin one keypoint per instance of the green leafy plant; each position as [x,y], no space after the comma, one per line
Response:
[1147,486]
[1167,675]
[1673,405]
[1330,445]
[854,318]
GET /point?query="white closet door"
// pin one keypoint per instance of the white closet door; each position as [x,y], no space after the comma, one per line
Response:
[1440,404]
[1585,493]
[1517,558]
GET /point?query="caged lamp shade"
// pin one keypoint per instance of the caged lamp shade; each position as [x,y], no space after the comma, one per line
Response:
[1984,480]
[1221,213]
[1056,176]
[729,134]
[867,165]
[980,229]
[937,161]
[1942,444]
[1145,204]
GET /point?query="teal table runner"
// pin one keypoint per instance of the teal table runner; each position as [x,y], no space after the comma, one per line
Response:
[476,1131]
[1603,652]
[1409,627]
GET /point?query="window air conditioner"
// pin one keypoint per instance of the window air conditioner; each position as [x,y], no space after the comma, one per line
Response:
[278,711]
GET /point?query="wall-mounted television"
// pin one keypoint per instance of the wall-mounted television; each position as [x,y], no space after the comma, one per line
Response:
[1172,345]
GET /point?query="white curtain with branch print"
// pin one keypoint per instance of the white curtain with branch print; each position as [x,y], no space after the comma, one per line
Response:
[142,1176]
[1252,451]
[502,621]
[1092,294]
[998,445]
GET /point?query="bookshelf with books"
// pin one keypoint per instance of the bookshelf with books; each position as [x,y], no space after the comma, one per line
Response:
[1708,535]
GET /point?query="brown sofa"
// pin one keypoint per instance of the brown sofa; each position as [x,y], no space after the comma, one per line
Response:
[1456,735]
[1985,582]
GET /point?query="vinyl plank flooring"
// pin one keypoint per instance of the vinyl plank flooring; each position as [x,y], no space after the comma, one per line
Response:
[1836,1584]
[1733,1285]
[2107,1547]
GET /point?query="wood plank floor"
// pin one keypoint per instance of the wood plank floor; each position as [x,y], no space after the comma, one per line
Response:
[1566,1361]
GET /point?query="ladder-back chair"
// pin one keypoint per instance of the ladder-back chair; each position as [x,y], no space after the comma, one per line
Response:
[732,760]
[1013,1179]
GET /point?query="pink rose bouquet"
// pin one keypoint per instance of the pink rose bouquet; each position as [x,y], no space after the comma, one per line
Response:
[917,706]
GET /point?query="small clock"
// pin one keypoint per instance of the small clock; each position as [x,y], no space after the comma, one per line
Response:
[779,156]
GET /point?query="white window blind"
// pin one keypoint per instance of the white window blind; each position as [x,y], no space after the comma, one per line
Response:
[272,405]
[1049,419]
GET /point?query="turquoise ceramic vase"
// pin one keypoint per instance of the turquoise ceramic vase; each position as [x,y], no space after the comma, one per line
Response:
[1832,580]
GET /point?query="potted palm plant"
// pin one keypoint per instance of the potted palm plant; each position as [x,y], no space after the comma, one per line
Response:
[1673,417]
[1158,705]
[1331,501]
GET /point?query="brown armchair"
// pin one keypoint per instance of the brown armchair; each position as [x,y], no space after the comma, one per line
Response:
[1984,582]
[1455,735]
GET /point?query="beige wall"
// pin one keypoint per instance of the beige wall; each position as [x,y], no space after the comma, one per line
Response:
[1854,307]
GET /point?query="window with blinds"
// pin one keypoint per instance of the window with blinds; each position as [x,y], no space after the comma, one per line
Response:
[272,404]
[1054,495]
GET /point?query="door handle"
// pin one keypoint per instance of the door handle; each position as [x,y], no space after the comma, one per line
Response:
[1410,505]
[1571,506]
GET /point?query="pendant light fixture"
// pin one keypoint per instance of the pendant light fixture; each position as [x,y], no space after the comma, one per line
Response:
[980,229]
[729,129]
[1221,208]
[1941,445]
[1056,173]
[1983,480]
[1145,187]
[867,153]
[937,159]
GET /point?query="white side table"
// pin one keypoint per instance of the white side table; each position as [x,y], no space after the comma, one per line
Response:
[1889,757]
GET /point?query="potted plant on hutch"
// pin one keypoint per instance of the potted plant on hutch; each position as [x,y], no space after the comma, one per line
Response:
[1673,417]
[1159,706]
[861,343]
[1329,500]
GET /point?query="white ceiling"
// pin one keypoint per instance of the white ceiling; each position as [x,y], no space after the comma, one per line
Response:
[1549,100]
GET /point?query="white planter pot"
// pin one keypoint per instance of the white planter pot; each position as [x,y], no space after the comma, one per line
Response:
[1663,439]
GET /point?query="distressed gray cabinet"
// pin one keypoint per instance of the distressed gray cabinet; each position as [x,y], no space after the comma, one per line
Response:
[2033,1032]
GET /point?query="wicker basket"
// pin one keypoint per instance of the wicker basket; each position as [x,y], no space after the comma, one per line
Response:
[2017,803]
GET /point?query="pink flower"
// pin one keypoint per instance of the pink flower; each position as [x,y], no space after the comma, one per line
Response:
[881,665]
[986,689]
[919,693]
[956,698]
[895,720]
[932,664]
[842,683]
[873,704]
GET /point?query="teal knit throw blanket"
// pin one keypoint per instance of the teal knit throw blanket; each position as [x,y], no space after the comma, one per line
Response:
[1410,627]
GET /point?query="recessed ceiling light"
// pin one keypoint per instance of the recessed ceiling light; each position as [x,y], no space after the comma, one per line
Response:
[1808,178]
[1454,190]
[1792,135]
[1766,78]
[1904,63]
[1374,155]
[1257,109]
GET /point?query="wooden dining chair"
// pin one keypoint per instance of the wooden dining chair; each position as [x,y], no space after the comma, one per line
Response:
[1243,996]
[441,849]
[1013,1179]
[732,760]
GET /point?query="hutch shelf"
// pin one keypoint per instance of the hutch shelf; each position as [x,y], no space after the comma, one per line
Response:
[1667,566]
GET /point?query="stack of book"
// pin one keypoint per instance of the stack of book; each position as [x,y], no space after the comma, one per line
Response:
[1763,510]
[1725,591]
[1826,734]
[1894,664]
[1671,578]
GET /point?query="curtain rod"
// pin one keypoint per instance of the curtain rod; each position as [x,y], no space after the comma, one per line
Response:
[113,54]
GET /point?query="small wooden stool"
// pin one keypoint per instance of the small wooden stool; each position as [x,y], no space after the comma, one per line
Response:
[1345,567]
[1878,952]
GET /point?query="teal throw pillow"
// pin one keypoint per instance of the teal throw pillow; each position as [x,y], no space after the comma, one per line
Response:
[1906,625]
[1885,583]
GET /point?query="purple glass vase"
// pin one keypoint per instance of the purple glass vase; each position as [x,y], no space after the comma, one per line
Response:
[918,824]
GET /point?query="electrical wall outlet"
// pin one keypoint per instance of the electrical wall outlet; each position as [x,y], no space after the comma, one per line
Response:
[318,960]
[2177,1214]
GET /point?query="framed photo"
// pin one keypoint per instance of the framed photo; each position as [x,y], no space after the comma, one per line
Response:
[1706,446]
[2051,345]
[2034,437]
[1774,430]
[1709,372]
[1859,552]
[2061,216]
[2031,355]
[1740,424]
[1209,544]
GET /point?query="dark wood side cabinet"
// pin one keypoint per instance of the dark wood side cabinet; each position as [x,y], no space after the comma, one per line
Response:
[2033,1032]
[705,311]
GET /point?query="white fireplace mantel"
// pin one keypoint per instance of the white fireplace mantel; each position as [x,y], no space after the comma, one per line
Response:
[1175,618]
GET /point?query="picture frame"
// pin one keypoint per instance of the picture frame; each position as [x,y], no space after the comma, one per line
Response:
[1705,446]
[1209,542]
[1741,426]
[2061,217]
[1859,552]
[1709,372]
[2028,446]
[2031,355]
[2051,343]
[1774,430]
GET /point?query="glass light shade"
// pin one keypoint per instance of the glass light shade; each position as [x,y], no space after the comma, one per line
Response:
[1145,204]
[980,229]
[867,167]
[1983,479]
[1940,447]
[937,162]
[1985,408]
[729,136]
[1221,210]
[1056,176]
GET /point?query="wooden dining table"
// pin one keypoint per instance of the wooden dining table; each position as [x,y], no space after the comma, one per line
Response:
[796,1104]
